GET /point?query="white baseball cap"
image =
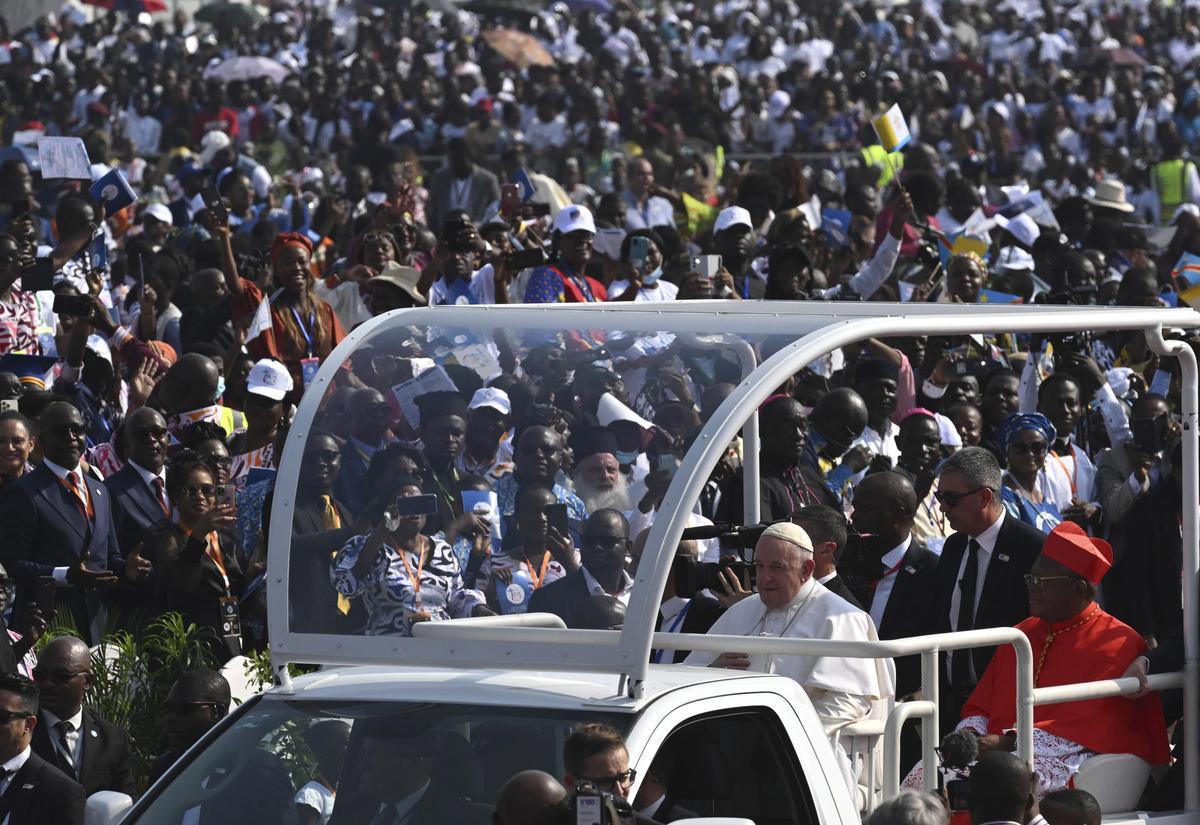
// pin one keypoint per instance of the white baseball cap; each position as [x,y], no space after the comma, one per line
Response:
[211,143]
[159,212]
[732,216]
[493,397]
[778,103]
[269,379]
[574,218]
[1014,257]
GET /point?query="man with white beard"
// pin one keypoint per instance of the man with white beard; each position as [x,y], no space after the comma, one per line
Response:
[597,474]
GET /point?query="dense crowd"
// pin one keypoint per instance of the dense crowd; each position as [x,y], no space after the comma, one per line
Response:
[296,175]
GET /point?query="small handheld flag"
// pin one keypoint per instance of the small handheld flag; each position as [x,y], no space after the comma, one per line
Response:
[261,322]
[1187,278]
[892,129]
[113,191]
[991,296]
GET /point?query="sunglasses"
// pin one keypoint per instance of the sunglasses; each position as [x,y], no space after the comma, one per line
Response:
[950,499]
[205,490]
[1035,582]
[7,716]
[58,677]
[185,708]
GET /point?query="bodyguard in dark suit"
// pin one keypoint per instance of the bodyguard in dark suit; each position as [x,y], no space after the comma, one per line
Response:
[605,541]
[71,737]
[905,578]
[57,518]
[36,793]
[138,490]
[826,526]
[321,525]
[460,184]
[982,567]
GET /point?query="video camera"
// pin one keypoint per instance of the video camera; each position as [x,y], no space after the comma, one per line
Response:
[692,576]
[957,752]
[588,805]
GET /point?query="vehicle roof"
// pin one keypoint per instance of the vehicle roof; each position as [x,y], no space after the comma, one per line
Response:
[560,690]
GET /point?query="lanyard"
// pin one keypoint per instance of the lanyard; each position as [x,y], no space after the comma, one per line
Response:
[213,551]
[1071,475]
[538,578]
[449,496]
[580,282]
[304,329]
[746,287]
[893,569]
[656,656]
[415,580]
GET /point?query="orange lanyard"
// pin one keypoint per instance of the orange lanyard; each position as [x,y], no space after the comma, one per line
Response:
[538,578]
[415,580]
[212,549]
[1070,475]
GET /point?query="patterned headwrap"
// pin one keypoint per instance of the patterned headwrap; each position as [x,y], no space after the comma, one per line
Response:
[285,239]
[1019,422]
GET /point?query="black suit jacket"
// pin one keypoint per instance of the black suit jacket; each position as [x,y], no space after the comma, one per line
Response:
[134,507]
[913,590]
[41,794]
[1004,601]
[312,599]
[106,765]
[45,528]
[702,614]
[564,597]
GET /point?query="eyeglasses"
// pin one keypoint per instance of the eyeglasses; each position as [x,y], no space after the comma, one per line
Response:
[157,434]
[1037,448]
[205,490]
[58,677]
[218,460]
[7,716]
[623,778]
[69,430]
[950,499]
[1035,582]
[185,708]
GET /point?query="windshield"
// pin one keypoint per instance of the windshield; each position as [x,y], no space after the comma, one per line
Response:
[276,764]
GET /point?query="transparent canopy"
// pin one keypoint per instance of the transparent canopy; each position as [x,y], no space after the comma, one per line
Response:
[352,600]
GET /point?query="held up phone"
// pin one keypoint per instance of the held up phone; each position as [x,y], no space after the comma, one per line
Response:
[706,265]
[639,248]
[556,514]
[9,405]
[510,200]
[38,277]
[667,462]
[43,596]
[226,495]
[422,505]
[212,200]
[76,306]
[526,258]
[1148,434]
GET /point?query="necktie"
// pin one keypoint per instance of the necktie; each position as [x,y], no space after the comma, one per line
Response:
[334,522]
[160,491]
[65,729]
[960,671]
[85,506]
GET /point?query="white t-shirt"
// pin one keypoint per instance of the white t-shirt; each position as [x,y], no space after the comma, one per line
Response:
[665,291]
[318,797]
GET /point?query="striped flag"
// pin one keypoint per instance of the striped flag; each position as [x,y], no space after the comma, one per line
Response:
[1187,278]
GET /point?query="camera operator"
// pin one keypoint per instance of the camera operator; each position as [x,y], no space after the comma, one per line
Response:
[596,754]
[531,798]
[682,609]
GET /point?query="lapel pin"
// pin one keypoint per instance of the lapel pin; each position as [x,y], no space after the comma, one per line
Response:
[1002,557]
[27,787]
[908,568]
[94,734]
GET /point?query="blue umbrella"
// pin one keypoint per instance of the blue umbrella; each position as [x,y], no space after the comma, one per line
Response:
[598,6]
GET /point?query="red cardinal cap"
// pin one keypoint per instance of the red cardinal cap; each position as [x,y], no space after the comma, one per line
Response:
[1071,547]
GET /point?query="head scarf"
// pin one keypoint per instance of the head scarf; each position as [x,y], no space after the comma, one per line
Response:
[285,239]
[1019,422]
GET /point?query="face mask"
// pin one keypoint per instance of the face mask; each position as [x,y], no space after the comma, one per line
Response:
[652,278]
[627,456]
[220,388]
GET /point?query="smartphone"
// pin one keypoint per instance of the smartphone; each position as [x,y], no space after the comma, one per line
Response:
[1147,434]
[9,405]
[706,265]
[38,277]
[43,596]
[557,516]
[526,258]
[510,200]
[423,505]
[212,200]
[668,462]
[227,495]
[639,248]
[77,306]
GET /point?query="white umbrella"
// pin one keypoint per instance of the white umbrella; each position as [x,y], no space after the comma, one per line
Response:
[248,68]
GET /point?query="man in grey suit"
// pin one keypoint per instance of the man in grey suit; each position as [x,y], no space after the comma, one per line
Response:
[460,184]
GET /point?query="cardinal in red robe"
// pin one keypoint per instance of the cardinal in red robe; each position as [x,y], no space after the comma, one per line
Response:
[1073,641]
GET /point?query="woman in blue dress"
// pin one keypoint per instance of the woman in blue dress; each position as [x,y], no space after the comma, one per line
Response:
[1025,439]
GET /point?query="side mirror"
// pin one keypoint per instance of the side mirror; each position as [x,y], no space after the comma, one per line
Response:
[106,808]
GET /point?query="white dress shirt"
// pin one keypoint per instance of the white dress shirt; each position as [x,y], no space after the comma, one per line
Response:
[596,589]
[883,590]
[74,737]
[14,765]
[987,543]
[60,573]
[149,478]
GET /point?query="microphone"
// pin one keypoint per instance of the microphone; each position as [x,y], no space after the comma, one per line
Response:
[959,749]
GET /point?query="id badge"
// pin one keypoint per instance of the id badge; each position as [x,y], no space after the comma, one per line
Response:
[231,616]
[308,370]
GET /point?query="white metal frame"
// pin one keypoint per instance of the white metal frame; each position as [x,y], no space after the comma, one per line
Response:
[820,328]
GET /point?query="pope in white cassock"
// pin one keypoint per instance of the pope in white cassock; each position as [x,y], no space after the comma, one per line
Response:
[791,603]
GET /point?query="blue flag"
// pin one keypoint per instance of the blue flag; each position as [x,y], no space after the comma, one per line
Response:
[521,178]
[113,191]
